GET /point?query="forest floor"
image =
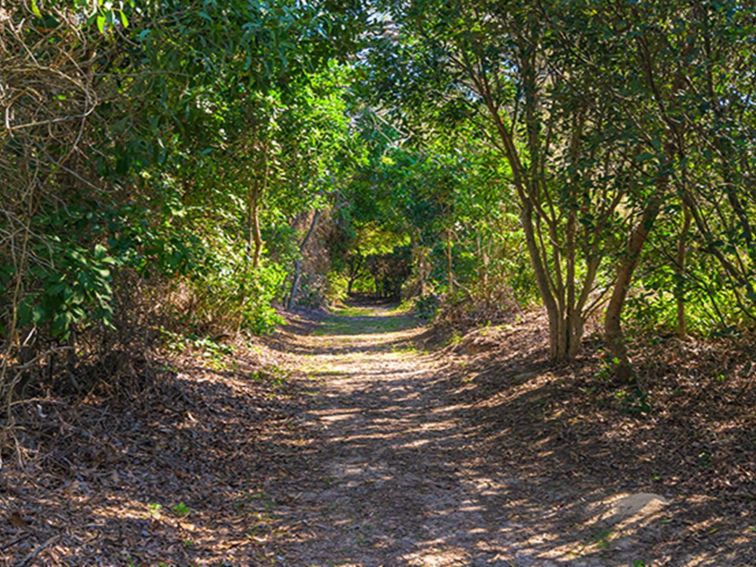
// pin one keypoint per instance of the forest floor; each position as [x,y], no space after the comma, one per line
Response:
[343,441]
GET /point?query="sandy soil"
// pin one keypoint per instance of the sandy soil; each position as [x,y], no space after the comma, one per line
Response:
[388,483]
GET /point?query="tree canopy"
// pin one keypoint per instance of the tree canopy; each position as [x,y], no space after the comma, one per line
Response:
[204,162]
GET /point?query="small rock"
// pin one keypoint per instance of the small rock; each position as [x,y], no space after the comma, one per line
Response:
[639,504]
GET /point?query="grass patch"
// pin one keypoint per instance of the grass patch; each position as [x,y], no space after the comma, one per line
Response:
[363,321]
[352,312]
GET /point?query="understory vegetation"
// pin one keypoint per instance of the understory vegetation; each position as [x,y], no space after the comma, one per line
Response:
[193,168]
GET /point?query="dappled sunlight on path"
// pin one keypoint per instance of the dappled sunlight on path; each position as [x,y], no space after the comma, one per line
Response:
[386,486]
[396,466]
[391,479]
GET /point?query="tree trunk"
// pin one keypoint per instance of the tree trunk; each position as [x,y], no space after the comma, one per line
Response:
[352,276]
[421,253]
[682,249]
[254,240]
[254,236]
[356,262]
[449,260]
[558,343]
[295,283]
[615,340]
[298,262]
[484,262]
[565,334]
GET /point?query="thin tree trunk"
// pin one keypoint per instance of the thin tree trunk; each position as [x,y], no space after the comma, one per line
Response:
[682,250]
[298,262]
[484,262]
[615,340]
[574,315]
[295,283]
[421,255]
[254,241]
[449,260]
[356,264]
[254,235]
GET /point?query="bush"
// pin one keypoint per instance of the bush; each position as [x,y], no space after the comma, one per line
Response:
[426,307]
[75,254]
[263,288]
[479,305]
[337,285]
[227,294]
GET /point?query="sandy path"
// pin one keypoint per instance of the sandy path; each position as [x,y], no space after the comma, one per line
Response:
[387,482]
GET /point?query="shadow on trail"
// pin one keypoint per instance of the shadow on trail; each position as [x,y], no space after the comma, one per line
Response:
[392,479]
[401,471]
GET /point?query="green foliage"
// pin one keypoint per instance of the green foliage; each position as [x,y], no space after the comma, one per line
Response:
[337,286]
[261,288]
[229,293]
[426,307]
[79,250]
[507,153]
[181,509]
[73,290]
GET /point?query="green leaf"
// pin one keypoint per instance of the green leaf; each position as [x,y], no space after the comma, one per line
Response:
[124,19]
[180,509]
[37,314]
[35,9]
[101,23]
[645,156]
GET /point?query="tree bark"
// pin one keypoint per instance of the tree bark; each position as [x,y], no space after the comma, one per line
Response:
[484,262]
[449,260]
[613,334]
[355,266]
[254,239]
[298,262]
[682,250]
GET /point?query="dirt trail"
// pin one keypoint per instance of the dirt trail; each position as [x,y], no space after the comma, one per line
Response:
[391,479]
[376,454]
[397,464]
